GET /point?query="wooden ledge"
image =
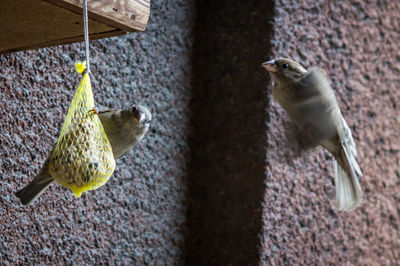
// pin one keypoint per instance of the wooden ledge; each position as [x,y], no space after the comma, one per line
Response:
[32,24]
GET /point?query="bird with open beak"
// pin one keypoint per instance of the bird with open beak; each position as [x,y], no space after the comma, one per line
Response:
[124,129]
[310,102]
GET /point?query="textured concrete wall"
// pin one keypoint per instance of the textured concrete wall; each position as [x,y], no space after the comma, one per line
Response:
[226,175]
[357,43]
[138,216]
[219,179]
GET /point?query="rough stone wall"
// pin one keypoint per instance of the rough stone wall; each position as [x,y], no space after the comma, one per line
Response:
[137,218]
[219,179]
[357,43]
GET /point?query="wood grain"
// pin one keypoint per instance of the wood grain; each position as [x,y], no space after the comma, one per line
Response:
[129,15]
[32,24]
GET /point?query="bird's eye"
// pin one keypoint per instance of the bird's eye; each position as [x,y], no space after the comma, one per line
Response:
[134,108]
[148,122]
[285,66]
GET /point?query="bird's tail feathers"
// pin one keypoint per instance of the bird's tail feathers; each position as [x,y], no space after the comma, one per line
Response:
[32,191]
[36,187]
[348,189]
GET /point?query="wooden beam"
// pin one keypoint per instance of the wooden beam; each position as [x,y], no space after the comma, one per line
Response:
[93,36]
[32,24]
[129,15]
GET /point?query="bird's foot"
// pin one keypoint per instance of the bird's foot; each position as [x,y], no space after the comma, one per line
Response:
[94,111]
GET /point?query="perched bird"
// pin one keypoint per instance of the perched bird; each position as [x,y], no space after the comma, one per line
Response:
[124,129]
[310,102]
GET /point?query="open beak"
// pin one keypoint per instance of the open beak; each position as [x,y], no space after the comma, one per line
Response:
[139,116]
[270,66]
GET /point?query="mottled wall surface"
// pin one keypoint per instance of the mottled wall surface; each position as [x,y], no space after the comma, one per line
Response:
[138,216]
[357,43]
[219,179]
[226,175]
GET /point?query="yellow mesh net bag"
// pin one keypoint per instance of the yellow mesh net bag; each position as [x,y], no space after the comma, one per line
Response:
[82,159]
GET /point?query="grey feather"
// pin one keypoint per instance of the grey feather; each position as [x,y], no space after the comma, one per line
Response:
[310,102]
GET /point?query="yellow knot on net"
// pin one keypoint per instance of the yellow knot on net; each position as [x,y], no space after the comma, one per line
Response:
[82,159]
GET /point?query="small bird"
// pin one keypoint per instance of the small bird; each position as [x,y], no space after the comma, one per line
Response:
[124,129]
[310,102]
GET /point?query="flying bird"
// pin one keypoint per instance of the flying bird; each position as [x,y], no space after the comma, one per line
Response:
[310,102]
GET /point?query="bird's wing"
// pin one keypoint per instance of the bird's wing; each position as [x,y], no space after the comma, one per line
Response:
[316,104]
[347,138]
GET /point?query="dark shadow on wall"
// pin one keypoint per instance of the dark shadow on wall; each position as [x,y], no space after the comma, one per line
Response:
[226,173]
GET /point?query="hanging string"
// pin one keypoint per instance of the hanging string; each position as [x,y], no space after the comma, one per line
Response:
[86,34]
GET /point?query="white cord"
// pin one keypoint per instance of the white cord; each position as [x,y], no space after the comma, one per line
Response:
[86,34]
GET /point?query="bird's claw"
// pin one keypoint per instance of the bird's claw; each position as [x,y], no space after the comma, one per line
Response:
[94,111]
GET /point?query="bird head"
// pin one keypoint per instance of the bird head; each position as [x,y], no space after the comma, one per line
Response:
[141,114]
[283,70]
